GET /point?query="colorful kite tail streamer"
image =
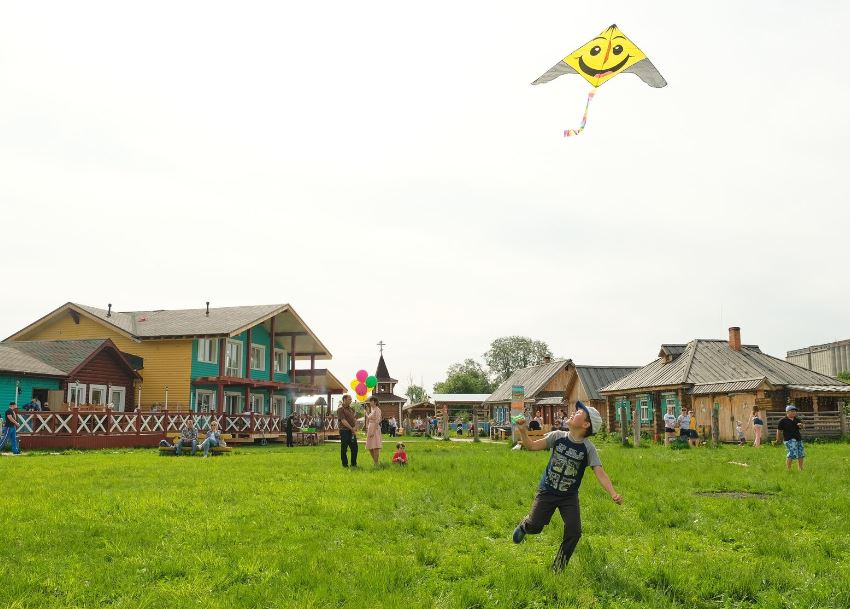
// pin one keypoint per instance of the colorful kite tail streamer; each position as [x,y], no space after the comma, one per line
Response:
[572,132]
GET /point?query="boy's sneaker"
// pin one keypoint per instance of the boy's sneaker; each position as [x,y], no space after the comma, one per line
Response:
[519,533]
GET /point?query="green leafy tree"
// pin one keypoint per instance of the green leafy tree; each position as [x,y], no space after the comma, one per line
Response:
[465,377]
[511,353]
[415,393]
[844,376]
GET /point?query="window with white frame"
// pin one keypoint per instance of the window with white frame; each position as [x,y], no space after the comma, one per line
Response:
[258,357]
[279,406]
[233,358]
[232,403]
[257,402]
[280,361]
[644,409]
[208,350]
[117,396]
[97,395]
[204,401]
[76,394]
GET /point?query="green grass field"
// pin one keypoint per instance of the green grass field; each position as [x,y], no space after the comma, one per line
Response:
[276,527]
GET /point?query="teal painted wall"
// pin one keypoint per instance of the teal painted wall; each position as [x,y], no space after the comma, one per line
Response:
[259,336]
[28,383]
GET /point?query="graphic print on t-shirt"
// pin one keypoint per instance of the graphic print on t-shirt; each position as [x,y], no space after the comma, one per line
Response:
[565,467]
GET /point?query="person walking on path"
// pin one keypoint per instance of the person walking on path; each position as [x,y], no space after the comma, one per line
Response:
[558,489]
[347,431]
[373,429]
[790,426]
[10,428]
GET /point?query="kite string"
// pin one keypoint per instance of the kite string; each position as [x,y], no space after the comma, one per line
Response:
[571,132]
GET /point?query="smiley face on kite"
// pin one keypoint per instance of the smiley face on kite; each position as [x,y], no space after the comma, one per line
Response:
[604,57]
[599,61]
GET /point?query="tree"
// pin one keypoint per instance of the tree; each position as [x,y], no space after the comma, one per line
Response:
[415,393]
[511,353]
[465,377]
[844,376]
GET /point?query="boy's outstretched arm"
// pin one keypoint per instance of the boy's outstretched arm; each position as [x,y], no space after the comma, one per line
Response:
[527,442]
[605,482]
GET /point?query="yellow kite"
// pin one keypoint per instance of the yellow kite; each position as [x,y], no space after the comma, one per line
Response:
[600,60]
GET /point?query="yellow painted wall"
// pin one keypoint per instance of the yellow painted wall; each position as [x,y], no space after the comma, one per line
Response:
[167,362]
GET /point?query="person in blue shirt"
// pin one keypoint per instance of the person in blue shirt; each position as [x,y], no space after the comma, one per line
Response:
[571,454]
[10,428]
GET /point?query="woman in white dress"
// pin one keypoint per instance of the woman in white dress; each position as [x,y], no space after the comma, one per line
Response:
[373,428]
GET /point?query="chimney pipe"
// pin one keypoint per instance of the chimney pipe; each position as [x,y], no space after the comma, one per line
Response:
[109,310]
[208,308]
[735,338]
[547,359]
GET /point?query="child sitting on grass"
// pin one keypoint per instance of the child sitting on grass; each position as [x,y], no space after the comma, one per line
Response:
[572,452]
[400,456]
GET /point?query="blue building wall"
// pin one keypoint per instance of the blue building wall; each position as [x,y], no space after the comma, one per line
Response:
[28,383]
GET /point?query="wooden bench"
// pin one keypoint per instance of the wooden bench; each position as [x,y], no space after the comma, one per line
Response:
[187,450]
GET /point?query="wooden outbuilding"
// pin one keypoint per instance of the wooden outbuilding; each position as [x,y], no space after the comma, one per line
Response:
[731,378]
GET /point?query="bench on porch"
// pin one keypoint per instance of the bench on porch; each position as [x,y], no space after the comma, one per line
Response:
[187,450]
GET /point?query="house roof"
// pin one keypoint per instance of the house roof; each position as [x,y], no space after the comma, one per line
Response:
[593,378]
[730,387]
[713,361]
[533,379]
[821,388]
[13,360]
[221,321]
[388,398]
[459,398]
[56,357]
[382,374]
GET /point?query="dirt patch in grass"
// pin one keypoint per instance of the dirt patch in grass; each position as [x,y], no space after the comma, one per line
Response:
[735,494]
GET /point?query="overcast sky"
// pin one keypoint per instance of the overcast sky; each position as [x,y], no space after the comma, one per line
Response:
[387,169]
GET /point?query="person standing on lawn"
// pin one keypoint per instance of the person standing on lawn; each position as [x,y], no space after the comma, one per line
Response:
[347,431]
[288,430]
[571,454]
[669,425]
[10,428]
[790,426]
[373,429]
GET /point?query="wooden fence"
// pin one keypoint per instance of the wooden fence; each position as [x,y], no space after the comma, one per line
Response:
[814,424]
[106,429]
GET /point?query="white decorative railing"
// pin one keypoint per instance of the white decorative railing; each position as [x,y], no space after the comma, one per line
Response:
[80,423]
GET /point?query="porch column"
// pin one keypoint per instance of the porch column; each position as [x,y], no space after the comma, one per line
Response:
[219,397]
[292,359]
[271,352]
[248,355]
[814,403]
[313,369]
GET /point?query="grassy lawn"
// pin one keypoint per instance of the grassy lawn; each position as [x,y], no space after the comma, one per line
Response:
[276,527]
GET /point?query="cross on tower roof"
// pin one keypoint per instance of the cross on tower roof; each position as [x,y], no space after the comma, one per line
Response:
[382,344]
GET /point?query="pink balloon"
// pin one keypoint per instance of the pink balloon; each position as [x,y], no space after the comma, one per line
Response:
[361,389]
[362,375]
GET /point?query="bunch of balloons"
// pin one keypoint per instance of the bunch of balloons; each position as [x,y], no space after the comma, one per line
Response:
[363,385]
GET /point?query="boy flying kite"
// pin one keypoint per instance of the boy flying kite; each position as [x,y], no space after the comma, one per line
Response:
[571,453]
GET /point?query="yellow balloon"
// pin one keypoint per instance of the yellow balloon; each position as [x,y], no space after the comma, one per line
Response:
[353,384]
[362,398]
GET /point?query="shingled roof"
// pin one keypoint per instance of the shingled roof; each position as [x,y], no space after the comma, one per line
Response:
[713,361]
[52,357]
[185,323]
[533,379]
[593,378]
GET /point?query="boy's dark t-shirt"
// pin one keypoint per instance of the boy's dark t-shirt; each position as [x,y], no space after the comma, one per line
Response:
[567,463]
[790,429]
[10,414]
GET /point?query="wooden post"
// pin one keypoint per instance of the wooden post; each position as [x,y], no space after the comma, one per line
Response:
[108,417]
[814,403]
[248,354]
[636,422]
[624,422]
[842,418]
[292,359]
[475,424]
[222,346]
[715,423]
[271,353]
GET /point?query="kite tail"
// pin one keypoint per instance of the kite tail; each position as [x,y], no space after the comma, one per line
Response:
[572,132]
